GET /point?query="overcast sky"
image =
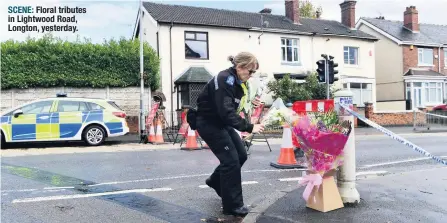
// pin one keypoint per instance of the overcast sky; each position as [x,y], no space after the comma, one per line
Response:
[113,19]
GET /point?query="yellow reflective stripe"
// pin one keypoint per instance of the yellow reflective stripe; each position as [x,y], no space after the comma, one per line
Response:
[243,99]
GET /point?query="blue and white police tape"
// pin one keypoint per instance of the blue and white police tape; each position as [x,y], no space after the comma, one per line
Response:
[394,136]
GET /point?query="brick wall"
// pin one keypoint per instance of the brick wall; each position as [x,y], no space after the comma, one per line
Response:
[410,57]
[393,118]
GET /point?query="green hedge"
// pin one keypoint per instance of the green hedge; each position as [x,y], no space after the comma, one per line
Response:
[51,62]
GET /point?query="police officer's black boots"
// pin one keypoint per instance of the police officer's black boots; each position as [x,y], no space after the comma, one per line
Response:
[241,212]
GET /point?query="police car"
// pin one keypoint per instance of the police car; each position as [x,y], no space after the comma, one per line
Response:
[64,119]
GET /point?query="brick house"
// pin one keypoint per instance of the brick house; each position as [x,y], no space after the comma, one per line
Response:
[186,37]
[411,61]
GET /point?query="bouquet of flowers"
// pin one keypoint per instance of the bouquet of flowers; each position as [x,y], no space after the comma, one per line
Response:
[278,115]
[322,139]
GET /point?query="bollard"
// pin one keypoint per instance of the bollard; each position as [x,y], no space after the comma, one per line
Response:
[346,175]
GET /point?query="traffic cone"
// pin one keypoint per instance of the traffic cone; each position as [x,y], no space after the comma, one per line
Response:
[152,134]
[286,158]
[159,134]
[191,141]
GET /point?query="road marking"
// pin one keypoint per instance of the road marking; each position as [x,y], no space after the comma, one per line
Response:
[371,173]
[155,179]
[23,190]
[53,188]
[75,196]
[243,183]
[249,182]
[186,176]
[397,162]
[290,179]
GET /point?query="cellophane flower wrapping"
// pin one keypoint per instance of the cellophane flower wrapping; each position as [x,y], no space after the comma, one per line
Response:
[279,115]
[322,139]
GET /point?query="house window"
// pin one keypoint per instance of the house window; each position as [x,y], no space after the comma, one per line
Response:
[445,92]
[196,45]
[445,57]
[351,55]
[362,93]
[433,92]
[425,57]
[290,50]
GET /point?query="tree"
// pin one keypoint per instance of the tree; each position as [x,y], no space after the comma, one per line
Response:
[308,10]
[291,91]
[52,62]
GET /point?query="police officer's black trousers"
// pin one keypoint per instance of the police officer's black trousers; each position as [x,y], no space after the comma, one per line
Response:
[228,147]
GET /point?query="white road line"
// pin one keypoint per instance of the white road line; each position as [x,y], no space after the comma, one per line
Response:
[371,173]
[75,196]
[243,183]
[290,179]
[397,162]
[159,178]
[249,182]
[53,188]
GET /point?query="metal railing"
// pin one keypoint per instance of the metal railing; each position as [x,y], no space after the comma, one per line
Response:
[430,121]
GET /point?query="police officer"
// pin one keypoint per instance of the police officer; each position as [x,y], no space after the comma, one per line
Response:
[218,108]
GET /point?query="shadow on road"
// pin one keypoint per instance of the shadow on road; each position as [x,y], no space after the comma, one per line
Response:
[131,138]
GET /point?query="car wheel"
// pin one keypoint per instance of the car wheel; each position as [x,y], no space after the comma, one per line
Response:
[94,135]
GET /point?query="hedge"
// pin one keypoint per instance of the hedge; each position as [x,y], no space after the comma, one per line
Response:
[51,62]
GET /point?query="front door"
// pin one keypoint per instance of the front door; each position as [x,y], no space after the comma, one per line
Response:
[417,97]
[34,123]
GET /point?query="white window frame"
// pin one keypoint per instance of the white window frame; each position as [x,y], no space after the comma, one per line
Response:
[296,61]
[421,53]
[445,58]
[425,85]
[346,50]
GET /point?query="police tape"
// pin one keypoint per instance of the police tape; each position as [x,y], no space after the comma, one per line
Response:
[394,136]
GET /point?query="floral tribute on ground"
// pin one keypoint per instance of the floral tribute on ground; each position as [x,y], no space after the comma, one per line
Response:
[322,138]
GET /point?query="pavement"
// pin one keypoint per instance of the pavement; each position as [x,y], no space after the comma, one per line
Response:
[132,182]
[392,198]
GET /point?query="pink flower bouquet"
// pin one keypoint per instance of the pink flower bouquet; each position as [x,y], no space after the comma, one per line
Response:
[322,139]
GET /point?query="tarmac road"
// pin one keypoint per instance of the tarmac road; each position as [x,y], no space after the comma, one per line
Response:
[122,184]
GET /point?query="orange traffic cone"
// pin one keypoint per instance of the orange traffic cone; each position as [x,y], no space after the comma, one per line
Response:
[191,141]
[159,135]
[286,158]
[152,134]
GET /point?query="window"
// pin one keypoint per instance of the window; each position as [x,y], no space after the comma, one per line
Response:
[445,93]
[445,57]
[408,91]
[433,92]
[71,106]
[362,93]
[37,107]
[290,50]
[425,57]
[351,55]
[94,106]
[196,45]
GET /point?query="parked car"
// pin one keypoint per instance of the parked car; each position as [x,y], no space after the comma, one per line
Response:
[442,107]
[64,119]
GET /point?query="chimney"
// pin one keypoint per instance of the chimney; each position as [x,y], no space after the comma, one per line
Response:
[266,11]
[318,14]
[293,10]
[411,20]
[348,13]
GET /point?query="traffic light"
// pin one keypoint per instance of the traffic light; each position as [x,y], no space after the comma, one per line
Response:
[321,70]
[331,70]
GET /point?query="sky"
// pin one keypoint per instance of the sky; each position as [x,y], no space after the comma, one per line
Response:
[113,19]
